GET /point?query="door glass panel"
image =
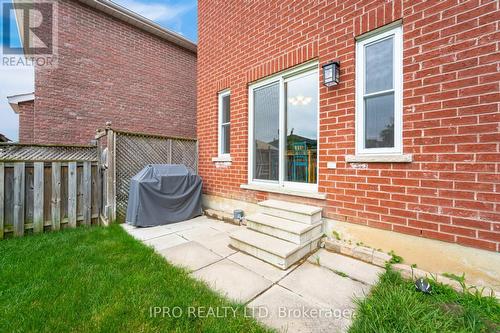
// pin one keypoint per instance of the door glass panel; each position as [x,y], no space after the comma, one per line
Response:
[301,129]
[266,132]
[379,121]
[379,66]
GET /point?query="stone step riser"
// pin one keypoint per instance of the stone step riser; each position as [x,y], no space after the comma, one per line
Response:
[284,234]
[296,217]
[272,258]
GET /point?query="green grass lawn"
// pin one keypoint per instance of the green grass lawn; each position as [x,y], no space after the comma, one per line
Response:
[395,306]
[101,279]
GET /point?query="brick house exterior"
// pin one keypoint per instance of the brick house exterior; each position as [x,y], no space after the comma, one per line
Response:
[450,110]
[133,73]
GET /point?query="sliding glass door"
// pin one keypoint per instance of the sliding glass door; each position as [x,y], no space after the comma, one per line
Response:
[283,130]
[266,132]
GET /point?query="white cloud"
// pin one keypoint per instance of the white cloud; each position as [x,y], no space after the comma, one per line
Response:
[13,81]
[158,12]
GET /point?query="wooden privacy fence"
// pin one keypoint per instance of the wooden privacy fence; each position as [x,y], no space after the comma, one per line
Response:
[47,188]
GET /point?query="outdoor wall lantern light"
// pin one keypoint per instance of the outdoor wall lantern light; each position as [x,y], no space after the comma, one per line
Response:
[331,73]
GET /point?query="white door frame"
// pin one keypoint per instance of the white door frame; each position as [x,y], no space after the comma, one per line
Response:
[281,78]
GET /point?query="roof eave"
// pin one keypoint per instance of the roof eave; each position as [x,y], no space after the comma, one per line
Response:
[21,98]
[140,22]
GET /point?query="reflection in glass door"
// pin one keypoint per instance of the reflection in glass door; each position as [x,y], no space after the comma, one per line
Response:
[301,128]
[283,146]
[266,132]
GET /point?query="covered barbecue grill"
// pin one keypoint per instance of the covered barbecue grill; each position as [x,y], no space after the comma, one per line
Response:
[162,194]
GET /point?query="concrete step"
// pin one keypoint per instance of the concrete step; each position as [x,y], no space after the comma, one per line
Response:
[292,211]
[275,251]
[295,232]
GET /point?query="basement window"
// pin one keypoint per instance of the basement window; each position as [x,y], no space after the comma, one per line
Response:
[379,62]
[224,123]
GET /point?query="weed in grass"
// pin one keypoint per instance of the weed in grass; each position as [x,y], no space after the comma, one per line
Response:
[341,273]
[395,258]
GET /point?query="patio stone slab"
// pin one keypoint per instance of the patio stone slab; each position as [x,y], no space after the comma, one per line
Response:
[286,311]
[144,234]
[324,287]
[164,242]
[190,255]
[356,269]
[233,280]
[260,267]
[198,232]
[221,226]
[218,243]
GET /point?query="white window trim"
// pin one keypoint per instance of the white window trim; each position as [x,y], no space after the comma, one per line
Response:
[377,35]
[281,78]
[220,154]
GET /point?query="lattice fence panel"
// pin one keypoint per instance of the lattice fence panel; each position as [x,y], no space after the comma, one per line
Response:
[185,152]
[21,152]
[134,152]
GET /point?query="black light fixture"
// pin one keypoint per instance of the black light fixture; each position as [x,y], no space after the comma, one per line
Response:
[331,73]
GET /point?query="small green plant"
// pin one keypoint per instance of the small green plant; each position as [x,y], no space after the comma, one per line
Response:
[336,235]
[459,278]
[341,273]
[473,291]
[317,260]
[395,258]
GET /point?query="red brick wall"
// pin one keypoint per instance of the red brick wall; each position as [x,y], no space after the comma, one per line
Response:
[26,118]
[109,70]
[451,191]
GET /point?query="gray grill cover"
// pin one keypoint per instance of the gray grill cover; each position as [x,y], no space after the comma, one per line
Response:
[162,194]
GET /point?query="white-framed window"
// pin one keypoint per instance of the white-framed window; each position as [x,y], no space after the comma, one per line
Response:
[379,90]
[224,129]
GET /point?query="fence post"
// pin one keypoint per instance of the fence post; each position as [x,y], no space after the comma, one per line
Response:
[56,196]
[111,179]
[2,198]
[38,197]
[87,189]
[72,189]
[19,188]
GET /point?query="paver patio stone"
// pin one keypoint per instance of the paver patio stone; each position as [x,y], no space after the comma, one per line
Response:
[190,255]
[233,280]
[164,242]
[260,267]
[322,286]
[144,234]
[286,311]
[199,232]
[220,225]
[218,243]
[356,269]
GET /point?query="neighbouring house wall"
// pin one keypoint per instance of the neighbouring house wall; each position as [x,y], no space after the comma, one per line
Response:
[26,119]
[450,192]
[109,70]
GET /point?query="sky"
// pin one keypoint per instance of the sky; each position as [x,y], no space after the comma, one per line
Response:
[177,15]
